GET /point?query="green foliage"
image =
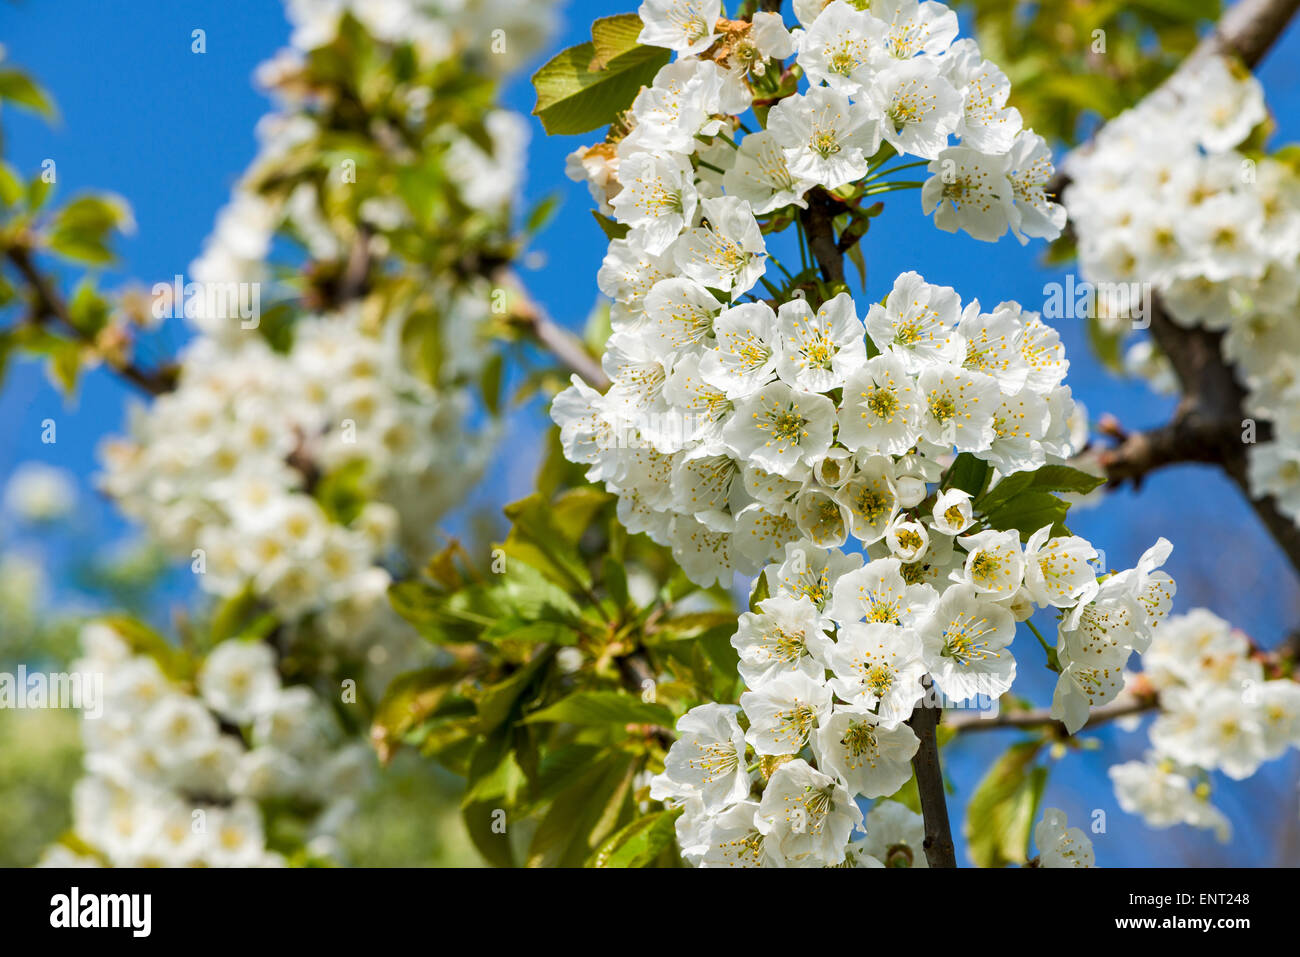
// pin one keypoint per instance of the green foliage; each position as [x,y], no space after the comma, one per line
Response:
[1024,501]
[587,86]
[1070,61]
[549,747]
[40,758]
[1001,814]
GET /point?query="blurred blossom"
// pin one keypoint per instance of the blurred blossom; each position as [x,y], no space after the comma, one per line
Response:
[37,492]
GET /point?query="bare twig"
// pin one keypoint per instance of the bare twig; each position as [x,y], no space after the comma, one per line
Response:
[557,340]
[49,304]
[1121,707]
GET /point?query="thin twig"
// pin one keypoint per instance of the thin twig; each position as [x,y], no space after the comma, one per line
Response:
[1121,707]
[49,304]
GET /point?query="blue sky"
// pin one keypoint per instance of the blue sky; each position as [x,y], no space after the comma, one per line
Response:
[172,130]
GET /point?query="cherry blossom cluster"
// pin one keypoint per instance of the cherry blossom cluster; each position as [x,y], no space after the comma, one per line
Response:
[741,431]
[843,651]
[888,79]
[1168,196]
[221,470]
[498,35]
[176,769]
[299,466]
[731,431]
[1218,712]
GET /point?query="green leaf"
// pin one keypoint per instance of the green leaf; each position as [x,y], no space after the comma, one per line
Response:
[17,87]
[11,185]
[409,700]
[88,310]
[541,214]
[587,86]
[609,227]
[498,703]
[602,707]
[143,640]
[968,474]
[1047,478]
[342,492]
[80,230]
[486,821]
[582,816]
[638,844]
[517,629]
[490,383]
[1000,816]
[536,538]
[1028,512]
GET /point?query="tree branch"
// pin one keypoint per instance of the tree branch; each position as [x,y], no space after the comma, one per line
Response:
[939,851]
[557,340]
[819,226]
[49,304]
[1207,427]
[1121,707]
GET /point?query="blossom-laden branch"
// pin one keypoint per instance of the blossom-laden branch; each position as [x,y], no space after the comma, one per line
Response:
[1247,30]
[48,304]
[1210,423]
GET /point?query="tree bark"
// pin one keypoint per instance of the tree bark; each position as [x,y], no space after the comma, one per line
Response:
[939,851]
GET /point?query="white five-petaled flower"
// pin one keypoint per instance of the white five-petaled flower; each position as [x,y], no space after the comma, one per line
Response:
[815,351]
[918,108]
[807,815]
[1029,170]
[994,564]
[965,644]
[1060,845]
[779,428]
[878,593]
[839,48]
[868,757]
[761,176]
[881,411]
[727,252]
[784,711]
[969,190]
[826,140]
[784,636]
[917,322]
[878,667]
[1058,571]
[743,357]
[707,759]
[657,200]
[686,26]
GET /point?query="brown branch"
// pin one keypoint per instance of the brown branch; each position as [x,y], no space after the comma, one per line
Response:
[1208,426]
[819,226]
[49,304]
[1121,707]
[939,851]
[1249,29]
[557,340]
